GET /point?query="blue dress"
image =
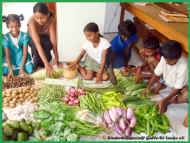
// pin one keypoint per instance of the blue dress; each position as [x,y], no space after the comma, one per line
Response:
[119,46]
[16,53]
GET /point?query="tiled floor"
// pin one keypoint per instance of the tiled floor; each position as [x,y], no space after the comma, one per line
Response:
[175,112]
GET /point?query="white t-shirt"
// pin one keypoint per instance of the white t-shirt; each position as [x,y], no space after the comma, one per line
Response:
[96,53]
[175,76]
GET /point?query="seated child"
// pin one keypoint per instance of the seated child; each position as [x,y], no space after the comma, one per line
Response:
[150,55]
[16,60]
[95,49]
[120,51]
[174,69]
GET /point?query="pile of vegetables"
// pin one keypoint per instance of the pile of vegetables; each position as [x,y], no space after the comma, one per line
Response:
[17,130]
[41,74]
[58,122]
[120,120]
[129,87]
[135,101]
[112,99]
[17,82]
[50,93]
[17,96]
[72,95]
[92,102]
[150,121]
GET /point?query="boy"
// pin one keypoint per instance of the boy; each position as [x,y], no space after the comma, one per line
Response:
[120,51]
[174,69]
[150,55]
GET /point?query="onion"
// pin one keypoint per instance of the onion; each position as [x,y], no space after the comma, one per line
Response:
[70,103]
[132,122]
[128,132]
[72,99]
[72,94]
[130,113]
[72,90]
[76,101]
[113,114]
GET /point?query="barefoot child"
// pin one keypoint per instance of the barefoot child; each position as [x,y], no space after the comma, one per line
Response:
[174,69]
[120,51]
[95,49]
[16,59]
[150,55]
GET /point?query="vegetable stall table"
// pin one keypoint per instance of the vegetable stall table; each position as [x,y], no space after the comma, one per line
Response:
[82,110]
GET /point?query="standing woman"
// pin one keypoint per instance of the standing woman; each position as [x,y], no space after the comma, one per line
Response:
[42,30]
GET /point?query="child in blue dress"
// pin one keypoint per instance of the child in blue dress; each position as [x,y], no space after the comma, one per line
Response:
[16,59]
[119,53]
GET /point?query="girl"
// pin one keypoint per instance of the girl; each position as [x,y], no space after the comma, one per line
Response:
[96,49]
[41,27]
[16,60]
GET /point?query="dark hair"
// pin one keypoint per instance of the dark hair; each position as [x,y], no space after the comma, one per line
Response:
[127,28]
[171,50]
[91,27]
[42,8]
[151,42]
[13,18]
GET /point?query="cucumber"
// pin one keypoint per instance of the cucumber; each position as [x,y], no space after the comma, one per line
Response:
[21,136]
[13,124]
[7,130]
[24,126]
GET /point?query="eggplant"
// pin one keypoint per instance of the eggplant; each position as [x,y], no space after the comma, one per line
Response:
[130,113]
[113,114]
[128,132]
[132,122]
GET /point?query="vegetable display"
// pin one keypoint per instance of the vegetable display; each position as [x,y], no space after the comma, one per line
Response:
[92,102]
[120,120]
[17,130]
[150,121]
[17,96]
[72,95]
[59,123]
[17,82]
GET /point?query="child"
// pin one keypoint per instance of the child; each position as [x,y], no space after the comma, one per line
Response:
[96,49]
[174,69]
[120,51]
[150,55]
[16,60]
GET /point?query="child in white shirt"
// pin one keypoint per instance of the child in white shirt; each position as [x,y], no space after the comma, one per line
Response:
[95,48]
[173,67]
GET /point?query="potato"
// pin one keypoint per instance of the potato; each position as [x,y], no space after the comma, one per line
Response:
[12,105]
